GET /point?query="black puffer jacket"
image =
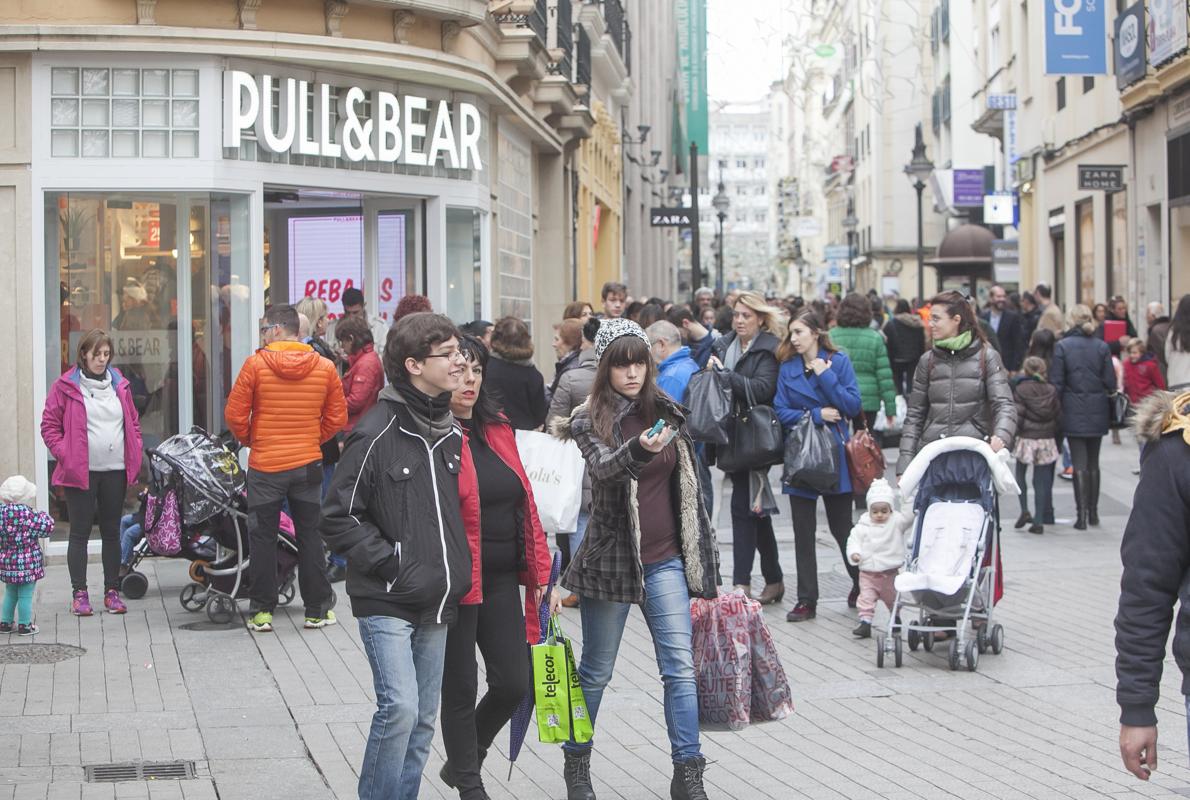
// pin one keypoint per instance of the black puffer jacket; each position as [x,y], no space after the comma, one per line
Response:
[906,335]
[1082,373]
[1156,555]
[962,393]
[757,369]
[1038,409]
[393,511]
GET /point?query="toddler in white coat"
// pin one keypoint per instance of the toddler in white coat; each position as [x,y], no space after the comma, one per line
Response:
[877,545]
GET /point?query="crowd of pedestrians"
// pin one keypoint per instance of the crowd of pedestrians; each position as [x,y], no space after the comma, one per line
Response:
[395,450]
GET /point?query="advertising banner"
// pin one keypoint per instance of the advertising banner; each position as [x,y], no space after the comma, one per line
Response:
[1130,45]
[1075,37]
[691,16]
[968,188]
[1167,29]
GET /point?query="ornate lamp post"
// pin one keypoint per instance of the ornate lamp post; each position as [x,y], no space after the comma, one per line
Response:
[721,203]
[919,169]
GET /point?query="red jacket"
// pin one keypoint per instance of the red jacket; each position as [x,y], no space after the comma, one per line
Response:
[362,383]
[1142,378]
[502,439]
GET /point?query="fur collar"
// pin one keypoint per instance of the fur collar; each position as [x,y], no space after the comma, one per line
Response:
[1161,413]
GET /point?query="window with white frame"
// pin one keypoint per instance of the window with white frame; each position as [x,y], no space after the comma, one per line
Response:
[101,112]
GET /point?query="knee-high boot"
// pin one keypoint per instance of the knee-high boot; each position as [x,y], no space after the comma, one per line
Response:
[1082,482]
[1093,497]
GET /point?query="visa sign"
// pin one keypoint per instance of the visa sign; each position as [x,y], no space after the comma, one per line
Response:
[1075,37]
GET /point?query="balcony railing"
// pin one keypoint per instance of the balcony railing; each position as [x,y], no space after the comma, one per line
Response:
[582,61]
[613,16]
[535,20]
[562,39]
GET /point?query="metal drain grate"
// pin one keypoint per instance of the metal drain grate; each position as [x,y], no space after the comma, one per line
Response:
[139,771]
[33,653]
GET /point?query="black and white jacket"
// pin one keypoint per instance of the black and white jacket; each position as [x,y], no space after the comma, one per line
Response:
[607,565]
[393,512]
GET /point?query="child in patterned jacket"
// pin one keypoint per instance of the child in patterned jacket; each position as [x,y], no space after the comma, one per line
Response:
[21,564]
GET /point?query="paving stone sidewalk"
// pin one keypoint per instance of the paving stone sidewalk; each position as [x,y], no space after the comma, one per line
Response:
[285,715]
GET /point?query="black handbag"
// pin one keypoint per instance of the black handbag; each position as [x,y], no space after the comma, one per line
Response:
[811,457]
[757,440]
[708,396]
[1118,410]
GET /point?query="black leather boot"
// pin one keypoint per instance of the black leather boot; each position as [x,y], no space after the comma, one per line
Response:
[577,773]
[1081,484]
[687,780]
[447,774]
[1092,497]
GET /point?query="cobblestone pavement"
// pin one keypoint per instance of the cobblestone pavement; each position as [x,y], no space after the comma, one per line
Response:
[286,714]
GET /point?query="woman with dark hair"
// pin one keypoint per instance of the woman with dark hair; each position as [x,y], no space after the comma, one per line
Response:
[1099,312]
[816,378]
[1177,347]
[579,309]
[508,550]
[649,544]
[513,380]
[865,348]
[632,311]
[365,375]
[960,387]
[92,431]
[652,312]
[1084,376]
[906,335]
[1041,345]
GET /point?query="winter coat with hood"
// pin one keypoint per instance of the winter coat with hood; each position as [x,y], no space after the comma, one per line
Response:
[1038,408]
[869,358]
[880,547]
[519,388]
[1155,552]
[906,335]
[607,565]
[1083,374]
[574,385]
[21,528]
[395,511]
[534,566]
[362,383]
[64,429]
[286,401]
[960,393]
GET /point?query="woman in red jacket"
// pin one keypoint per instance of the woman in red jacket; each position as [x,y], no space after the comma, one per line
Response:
[508,550]
[365,375]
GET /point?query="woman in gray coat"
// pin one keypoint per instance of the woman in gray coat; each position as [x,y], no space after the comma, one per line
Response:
[960,386]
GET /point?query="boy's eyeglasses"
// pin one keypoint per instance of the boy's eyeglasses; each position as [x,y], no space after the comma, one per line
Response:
[453,355]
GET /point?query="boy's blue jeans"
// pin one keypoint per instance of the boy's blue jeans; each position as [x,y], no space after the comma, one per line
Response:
[130,534]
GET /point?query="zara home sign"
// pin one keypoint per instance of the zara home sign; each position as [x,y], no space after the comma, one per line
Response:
[388,135]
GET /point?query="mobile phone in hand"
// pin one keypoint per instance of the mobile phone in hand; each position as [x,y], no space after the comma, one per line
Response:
[658,426]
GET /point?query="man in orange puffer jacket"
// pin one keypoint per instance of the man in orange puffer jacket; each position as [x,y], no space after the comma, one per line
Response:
[287,401]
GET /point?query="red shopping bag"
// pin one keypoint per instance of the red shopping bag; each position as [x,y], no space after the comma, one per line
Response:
[723,660]
[771,696]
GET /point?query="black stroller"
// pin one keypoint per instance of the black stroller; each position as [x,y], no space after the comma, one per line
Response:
[208,483]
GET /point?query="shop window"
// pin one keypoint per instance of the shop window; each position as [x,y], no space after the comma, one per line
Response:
[464,264]
[123,113]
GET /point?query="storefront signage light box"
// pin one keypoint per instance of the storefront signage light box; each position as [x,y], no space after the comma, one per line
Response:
[389,136]
[1098,177]
[671,217]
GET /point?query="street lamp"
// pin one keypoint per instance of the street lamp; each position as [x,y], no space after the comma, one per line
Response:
[850,223]
[919,169]
[721,203]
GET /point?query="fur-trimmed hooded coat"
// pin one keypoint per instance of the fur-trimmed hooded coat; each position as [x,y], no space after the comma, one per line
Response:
[607,565]
[1156,556]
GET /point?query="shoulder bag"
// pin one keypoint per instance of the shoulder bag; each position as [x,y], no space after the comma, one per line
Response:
[756,442]
[865,459]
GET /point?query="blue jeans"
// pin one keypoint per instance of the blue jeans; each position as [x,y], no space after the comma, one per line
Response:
[576,538]
[667,611]
[406,662]
[130,534]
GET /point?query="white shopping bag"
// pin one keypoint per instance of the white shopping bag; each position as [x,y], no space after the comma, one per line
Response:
[555,468]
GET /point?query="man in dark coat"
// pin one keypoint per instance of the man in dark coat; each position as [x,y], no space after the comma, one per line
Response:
[1156,558]
[1008,327]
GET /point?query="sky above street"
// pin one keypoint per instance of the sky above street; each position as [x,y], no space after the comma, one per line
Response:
[744,47]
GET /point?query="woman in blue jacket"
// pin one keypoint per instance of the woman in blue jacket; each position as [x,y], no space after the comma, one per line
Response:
[817,379]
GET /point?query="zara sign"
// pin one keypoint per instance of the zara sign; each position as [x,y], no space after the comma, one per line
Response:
[388,135]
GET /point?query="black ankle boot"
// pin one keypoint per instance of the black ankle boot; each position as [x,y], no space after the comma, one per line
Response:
[1092,497]
[448,776]
[1024,519]
[1081,481]
[577,773]
[687,780]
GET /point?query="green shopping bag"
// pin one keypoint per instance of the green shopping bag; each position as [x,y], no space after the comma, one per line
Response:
[580,721]
[551,682]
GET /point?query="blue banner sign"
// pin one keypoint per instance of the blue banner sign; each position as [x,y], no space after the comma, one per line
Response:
[1075,37]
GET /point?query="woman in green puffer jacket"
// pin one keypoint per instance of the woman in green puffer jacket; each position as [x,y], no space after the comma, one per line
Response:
[866,348]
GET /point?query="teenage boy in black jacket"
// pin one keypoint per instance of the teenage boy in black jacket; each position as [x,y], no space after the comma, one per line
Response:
[1156,556]
[393,511]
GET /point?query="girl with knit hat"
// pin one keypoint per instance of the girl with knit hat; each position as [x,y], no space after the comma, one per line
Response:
[877,546]
[21,563]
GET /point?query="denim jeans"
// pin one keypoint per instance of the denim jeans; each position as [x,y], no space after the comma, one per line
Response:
[130,534]
[406,661]
[667,611]
[576,538]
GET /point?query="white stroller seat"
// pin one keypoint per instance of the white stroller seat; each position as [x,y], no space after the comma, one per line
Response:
[949,539]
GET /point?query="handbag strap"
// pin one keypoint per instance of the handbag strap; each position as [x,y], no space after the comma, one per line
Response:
[748,393]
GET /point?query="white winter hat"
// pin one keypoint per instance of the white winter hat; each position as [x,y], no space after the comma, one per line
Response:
[18,490]
[881,492]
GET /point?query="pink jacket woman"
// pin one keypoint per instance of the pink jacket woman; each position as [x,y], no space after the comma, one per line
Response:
[64,429]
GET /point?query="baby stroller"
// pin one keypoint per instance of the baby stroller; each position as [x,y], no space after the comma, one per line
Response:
[197,479]
[952,568]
